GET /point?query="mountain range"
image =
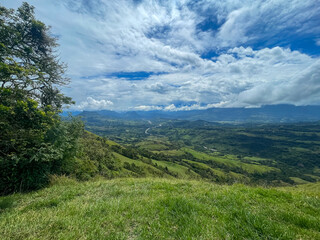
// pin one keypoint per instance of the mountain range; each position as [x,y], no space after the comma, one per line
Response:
[268,113]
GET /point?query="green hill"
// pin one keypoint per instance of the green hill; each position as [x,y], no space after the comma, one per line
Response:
[102,157]
[272,154]
[161,209]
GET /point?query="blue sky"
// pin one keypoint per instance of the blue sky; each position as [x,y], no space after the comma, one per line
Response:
[183,54]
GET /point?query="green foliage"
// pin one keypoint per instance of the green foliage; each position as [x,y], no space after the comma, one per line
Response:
[33,141]
[94,158]
[26,161]
[24,154]
[27,61]
[129,152]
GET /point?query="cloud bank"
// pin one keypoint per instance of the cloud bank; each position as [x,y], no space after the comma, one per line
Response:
[183,54]
[93,104]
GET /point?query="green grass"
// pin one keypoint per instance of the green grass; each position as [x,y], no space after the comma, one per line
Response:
[230,160]
[149,170]
[182,171]
[310,188]
[170,152]
[154,144]
[200,165]
[317,178]
[112,143]
[298,180]
[160,209]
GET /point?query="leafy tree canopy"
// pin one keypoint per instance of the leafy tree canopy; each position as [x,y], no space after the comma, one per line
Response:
[28,61]
[34,142]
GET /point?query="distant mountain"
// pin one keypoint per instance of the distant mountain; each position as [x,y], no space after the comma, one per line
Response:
[66,113]
[269,113]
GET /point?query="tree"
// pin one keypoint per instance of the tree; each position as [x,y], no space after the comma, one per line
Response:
[33,140]
[28,61]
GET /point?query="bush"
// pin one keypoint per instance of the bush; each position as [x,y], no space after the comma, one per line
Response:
[93,158]
[30,158]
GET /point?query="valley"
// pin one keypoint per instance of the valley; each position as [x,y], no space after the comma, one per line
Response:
[272,154]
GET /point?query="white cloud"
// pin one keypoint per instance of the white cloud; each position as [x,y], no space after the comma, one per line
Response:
[99,37]
[173,108]
[303,88]
[234,29]
[93,104]
[241,77]
[147,108]
[102,37]
[241,51]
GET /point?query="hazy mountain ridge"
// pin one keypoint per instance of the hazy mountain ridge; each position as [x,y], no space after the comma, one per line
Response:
[264,114]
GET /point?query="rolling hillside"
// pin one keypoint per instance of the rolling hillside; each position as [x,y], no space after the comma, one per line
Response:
[275,154]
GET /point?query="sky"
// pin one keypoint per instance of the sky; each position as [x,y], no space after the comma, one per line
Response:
[183,55]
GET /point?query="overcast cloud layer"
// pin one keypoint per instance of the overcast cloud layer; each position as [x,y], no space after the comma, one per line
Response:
[182,55]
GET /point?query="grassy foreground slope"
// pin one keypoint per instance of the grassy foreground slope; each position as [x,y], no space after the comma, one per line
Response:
[160,209]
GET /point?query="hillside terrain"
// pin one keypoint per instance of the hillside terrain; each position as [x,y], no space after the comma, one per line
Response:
[160,209]
[273,154]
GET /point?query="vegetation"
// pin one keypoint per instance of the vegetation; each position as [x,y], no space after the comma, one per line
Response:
[273,154]
[36,143]
[33,141]
[37,146]
[160,209]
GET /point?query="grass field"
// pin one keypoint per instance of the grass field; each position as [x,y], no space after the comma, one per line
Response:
[181,171]
[147,169]
[161,209]
[229,160]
